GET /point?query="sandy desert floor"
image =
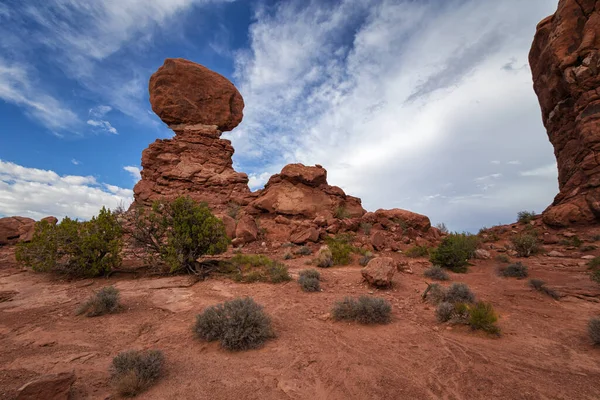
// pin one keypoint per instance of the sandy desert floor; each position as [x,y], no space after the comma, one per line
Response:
[544,351]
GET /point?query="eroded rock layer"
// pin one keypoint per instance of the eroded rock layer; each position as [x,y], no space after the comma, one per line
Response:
[565,61]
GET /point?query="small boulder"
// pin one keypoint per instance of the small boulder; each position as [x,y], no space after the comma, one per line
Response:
[378,240]
[379,271]
[51,220]
[246,230]
[305,235]
[48,387]
[482,254]
[588,257]
[229,226]
[550,239]
[555,253]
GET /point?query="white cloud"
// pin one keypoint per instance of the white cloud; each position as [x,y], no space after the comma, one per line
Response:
[75,162]
[415,97]
[136,172]
[514,162]
[257,181]
[17,86]
[546,171]
[37,193]
[99,111]
[103,125]
[495,162]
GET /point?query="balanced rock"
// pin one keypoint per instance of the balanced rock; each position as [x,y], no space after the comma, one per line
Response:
[565,61]
[185,93]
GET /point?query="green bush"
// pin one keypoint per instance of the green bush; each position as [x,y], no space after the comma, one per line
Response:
[311,273]
[74,248]
[483,317]
[341,249]
[455,251]
[250,268]
[175,234]
[573,241]
[366,310]
[525,217]
[437,273]
[594,263]
[134,371]
[442,227]
[239,324]
[594,330]
[417,251]
[540,286]
[459,293]
[517,270]
[105,301]
[525,244]
[366,227]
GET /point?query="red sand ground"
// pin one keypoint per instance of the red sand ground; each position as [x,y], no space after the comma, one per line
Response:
[544,351]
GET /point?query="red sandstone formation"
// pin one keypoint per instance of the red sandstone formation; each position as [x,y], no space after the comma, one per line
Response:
[186,93]
[296,205]
[19,229]
[565,61]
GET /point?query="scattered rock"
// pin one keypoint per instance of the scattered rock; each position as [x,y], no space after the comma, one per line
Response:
[379,271]
[550,239]
[305,235]
[48,387]
[230,225]
[15,229]
[246,230]
[482,254]
[378,240]
[588,257]
[555,253]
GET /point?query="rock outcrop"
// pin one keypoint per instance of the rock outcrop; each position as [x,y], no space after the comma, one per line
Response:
[303,191]
[15,229]
[197,104]
[296,205]
[565,61]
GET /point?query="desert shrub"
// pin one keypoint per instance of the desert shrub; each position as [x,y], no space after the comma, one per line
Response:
[341,213]
[459,293]
[525,244]
[588,247]
[366,227]
[239,324]
[233,209]
[503,258]
[134,371]
[482,316]
[74,248]
[442,227]
[435,293]
[455,251]
[364,260]
[444,311]
[288,256]
[594,263]
[573,241]
[250,268]
[517,270]
[341,249]
[437,273]
[311,273]
[594,329]
[309,284]
[175,234]
[324,257]
[309,280]
[304,251]
[540,286]
[105,301]
[365,310]
[417,251]
[525,217]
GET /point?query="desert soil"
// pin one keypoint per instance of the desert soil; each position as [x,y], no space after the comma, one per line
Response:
[544,351]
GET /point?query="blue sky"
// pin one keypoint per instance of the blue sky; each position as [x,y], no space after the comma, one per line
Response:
[423,105]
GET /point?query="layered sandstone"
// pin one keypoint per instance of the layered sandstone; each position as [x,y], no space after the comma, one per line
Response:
[565,61]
